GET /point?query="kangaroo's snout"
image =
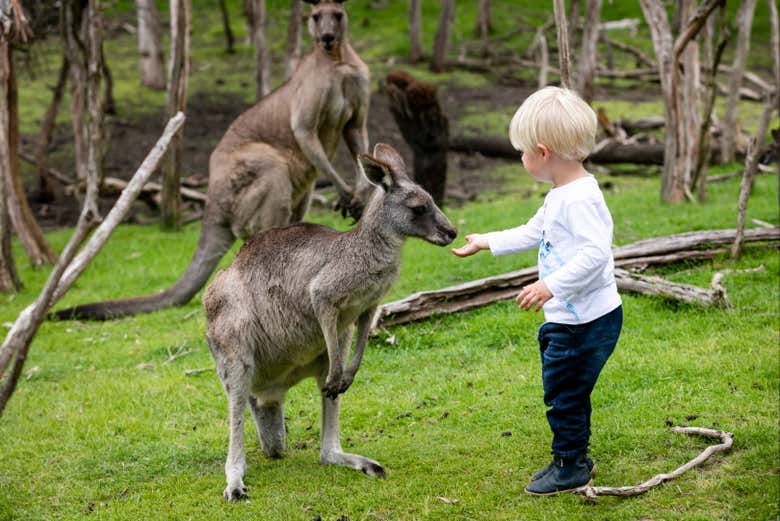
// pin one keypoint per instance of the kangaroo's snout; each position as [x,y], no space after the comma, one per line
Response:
[445,231]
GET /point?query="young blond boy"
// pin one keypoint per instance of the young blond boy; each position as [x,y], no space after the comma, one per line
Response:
[555,131]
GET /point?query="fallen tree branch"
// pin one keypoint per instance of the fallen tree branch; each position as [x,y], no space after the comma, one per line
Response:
[660,250]
[155,189]
[726,441]
[69,265]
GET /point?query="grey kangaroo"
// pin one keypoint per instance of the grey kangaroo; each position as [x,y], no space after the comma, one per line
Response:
[263,170]
[285,310]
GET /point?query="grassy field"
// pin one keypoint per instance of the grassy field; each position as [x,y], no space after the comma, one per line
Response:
[102,427]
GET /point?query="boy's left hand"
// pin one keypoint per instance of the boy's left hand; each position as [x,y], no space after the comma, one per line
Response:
[535,294]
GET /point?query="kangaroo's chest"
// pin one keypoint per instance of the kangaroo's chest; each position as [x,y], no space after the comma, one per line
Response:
[346,95]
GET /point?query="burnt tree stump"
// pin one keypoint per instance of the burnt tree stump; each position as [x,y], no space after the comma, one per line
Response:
[425,129]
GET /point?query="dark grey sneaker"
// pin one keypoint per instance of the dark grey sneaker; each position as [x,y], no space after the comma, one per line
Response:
[541,473]
[565,475]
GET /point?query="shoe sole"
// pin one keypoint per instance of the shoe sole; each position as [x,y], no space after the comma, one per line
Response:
[592,474]
[547,494]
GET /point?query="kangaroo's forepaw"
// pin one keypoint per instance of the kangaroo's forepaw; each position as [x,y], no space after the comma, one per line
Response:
[234,494]
[332,387]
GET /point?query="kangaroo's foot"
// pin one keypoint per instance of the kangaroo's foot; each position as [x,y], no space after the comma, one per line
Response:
[354,461]
[235,491]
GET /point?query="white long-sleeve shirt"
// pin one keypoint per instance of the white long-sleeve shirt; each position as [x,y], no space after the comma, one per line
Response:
[573,230]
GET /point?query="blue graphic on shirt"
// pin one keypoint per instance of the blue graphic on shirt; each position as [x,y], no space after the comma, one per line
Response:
[549,262]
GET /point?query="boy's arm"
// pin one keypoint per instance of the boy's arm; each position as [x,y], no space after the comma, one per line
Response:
[595,237]
[518,239]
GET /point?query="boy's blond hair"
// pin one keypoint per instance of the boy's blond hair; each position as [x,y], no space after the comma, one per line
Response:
[557,118]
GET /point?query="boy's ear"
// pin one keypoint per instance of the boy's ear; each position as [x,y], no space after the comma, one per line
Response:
[376,171]
[543,150]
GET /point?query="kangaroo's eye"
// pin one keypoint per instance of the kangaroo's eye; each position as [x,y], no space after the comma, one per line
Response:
[337,16]
[316,17]
[419,210]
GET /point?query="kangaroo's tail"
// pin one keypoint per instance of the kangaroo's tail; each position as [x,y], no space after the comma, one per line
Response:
[214,241]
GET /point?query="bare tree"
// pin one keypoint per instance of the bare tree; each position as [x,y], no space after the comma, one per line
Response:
[415,31]
[262,49]
[229,40]
[730,124]
[574,22]
[564,60]
[775,46]
[441,44]
[72,17]
[679,143]
[294,28]
[590,39]
[15,27]
[178,71]
[149,47]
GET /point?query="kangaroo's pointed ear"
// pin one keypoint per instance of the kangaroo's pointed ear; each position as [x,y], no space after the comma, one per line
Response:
[376,171]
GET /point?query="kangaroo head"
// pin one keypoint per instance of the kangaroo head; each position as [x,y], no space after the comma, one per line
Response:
[327,23]
[405,207]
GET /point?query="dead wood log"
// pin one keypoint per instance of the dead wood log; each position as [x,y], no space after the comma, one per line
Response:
[153,189]
[13,352]
[655,251]
[641,57]
[726,441]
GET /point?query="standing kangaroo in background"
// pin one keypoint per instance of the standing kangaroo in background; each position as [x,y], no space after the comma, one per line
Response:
[285,310]
[262,173]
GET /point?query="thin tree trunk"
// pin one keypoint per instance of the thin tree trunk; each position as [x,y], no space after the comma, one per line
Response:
[691,100]
[149,46]
[564,59]
[9,279]
[775,46]
[46,132]
[95,71]
[109,103]
[441,44]
[751,165]
[179,68]
[415,31]
[262,50]
[22,219]
[72,16]
[574,23]
[484,25]
[730,124]
[229,40]
[294,37]
[713,58]
[590,39]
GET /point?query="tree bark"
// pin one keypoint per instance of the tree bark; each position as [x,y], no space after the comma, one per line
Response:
[730,124]
[441,44]
[15,347]
[45,134]
[564,58]
[294,28]
[590,38]
[73,22]
[9,278]
[751,165]
[179,68]
[149,46]
[574,23]
[415,31]
[22,219]
[774,44]
[424,127]
[262,49]
[229,40]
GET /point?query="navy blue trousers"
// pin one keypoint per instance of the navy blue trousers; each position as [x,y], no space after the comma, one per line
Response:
[572,358]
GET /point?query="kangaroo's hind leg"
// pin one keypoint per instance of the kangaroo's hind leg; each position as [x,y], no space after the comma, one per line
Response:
[235,379]
[269,422]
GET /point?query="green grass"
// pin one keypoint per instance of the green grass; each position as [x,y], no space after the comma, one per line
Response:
[102,427]
[104,422]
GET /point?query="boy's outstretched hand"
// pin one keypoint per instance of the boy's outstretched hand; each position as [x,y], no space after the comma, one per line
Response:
[474,243]
[535,294]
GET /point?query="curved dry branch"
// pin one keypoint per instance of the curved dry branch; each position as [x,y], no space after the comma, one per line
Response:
[726,441]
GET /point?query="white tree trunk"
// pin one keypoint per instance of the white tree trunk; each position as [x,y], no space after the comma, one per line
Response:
[149,46]
[415,31]
[730,123]
[564,58]
[590,38]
